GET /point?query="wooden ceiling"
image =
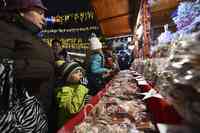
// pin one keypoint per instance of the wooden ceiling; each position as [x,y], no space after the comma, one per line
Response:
[116,17]
[161,11]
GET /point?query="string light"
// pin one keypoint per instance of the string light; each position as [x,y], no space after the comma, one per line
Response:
[73,17]
[82,29]
[75,43]
[77,18]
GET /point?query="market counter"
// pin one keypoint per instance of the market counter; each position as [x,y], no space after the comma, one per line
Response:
[117,108]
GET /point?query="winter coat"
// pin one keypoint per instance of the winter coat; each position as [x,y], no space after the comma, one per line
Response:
[95,72]
[33,59]
[70,100]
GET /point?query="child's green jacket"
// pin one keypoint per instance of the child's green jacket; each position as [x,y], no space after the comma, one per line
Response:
[70,100]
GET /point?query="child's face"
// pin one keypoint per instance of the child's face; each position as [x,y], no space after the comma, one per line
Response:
[76,76]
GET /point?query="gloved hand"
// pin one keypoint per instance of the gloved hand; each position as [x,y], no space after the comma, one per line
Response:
[84,81]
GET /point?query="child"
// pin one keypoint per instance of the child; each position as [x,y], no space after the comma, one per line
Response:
[71,95]
[97,73]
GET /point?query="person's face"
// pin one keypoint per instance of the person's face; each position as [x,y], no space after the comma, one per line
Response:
[56,46]
[76,76]
[36,16]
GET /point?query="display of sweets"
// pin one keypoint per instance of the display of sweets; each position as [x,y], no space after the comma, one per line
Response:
[186,15]
[183,86]
[119,111]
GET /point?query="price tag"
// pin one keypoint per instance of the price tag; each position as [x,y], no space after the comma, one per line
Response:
[142,82]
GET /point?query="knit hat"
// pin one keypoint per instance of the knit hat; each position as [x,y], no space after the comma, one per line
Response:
[95,43]
[67,69]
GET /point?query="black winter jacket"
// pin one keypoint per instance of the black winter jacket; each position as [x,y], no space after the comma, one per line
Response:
[33,68]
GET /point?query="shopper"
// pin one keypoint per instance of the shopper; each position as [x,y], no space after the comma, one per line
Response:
[59,52]
[96,71]
[111,60]
[71,95]
[26,68]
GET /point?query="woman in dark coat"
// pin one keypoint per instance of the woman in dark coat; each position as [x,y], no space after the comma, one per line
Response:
[30,62]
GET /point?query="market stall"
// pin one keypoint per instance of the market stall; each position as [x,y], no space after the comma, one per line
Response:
[153,90]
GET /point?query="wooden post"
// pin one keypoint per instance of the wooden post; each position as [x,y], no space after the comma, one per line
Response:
[146,21]
[138,35]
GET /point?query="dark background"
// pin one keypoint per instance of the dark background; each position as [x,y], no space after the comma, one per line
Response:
[64,7]
[59,7]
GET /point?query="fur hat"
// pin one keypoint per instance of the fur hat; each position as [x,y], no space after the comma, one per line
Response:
[95,43]
[67,69]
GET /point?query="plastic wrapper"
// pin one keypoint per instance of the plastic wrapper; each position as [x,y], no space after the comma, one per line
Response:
[186,13]
[138,66]
[186,17]
[162,51]
[119,111]
[166,37]
[150,70]
[182,83]
[154,69]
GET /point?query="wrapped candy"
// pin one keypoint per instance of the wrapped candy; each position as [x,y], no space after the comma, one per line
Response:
[166,37]
[162,49]
[187,12]
[118,111]
[184,16]
[182,86]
